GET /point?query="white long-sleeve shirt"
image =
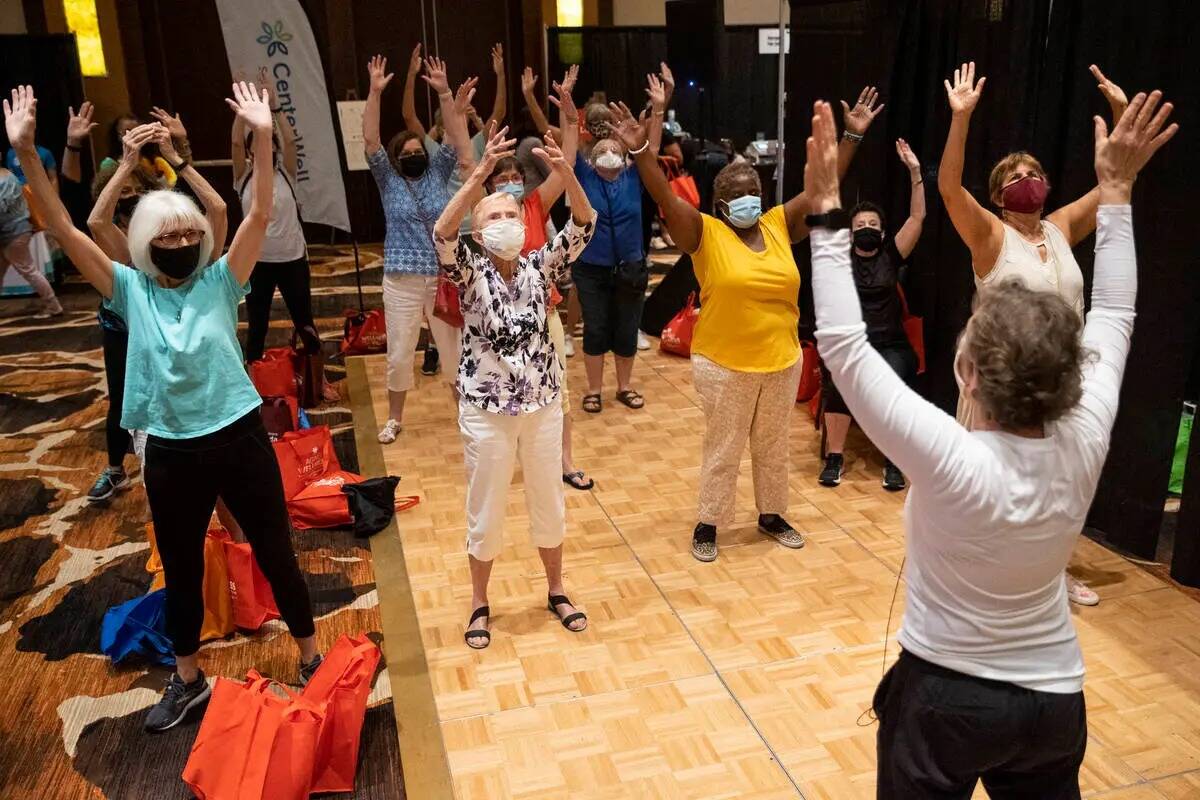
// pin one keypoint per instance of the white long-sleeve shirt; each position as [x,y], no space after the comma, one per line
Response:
[991,517]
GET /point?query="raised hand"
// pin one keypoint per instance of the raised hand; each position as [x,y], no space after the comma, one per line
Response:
[564,101]
[668,77]
[497,148]
[820,170]
[414,61]
[859,118]
[163,137]
[498,59]
[20,117]
[435,75]
[964,93]
[79,126]
[174,125]
[552,154]
[1122,154]
[135,138]
[462,98]
[629,131]
[656,91]
[380,77]
[529,80]
[1114,94]
[251,106]
[907,156]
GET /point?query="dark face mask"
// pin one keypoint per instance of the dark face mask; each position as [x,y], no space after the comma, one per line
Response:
[868,239]
[413,165]
[175,262]
[126,205]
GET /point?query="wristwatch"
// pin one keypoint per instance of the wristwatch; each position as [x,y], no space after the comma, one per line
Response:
[833,219]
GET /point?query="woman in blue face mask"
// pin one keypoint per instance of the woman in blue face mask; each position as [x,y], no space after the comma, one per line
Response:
[745,347]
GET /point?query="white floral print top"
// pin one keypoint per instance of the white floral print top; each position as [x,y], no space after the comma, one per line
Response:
[508,363]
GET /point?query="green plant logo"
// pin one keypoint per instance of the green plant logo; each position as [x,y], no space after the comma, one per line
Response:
[275,38]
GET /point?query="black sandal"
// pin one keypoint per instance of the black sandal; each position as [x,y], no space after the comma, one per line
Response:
[471,633]
[592,403]
[559,599]
[575,481]
[631,399]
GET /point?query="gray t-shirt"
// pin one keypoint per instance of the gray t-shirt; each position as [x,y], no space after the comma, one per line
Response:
[14,213]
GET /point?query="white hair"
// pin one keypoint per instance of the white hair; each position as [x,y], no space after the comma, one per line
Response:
[160,212]
[476,219]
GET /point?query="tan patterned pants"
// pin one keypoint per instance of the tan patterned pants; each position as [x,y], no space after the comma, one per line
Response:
[741,407]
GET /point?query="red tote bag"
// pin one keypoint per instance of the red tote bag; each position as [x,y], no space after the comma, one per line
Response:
[914,330]
[322,503]
[446,305]
[273,375]
[810,372]
[249,593]
[305,456]
[677,335]
[341,686]
[364,333]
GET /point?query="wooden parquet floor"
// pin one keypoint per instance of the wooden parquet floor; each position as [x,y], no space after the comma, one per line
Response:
[745,678]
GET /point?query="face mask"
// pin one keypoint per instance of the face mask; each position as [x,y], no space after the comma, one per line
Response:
[517,190]
[413,165]
[598,129]
[126,205]
[1026,195]
[504,238]
[868,239]
[175,262]
[744,211]
[609,160]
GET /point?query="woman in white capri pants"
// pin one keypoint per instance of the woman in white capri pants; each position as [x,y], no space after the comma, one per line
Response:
[509,375]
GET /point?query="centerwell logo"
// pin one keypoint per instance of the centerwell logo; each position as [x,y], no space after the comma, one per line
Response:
[275,39]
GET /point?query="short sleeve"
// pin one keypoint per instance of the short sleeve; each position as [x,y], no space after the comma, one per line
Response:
[381,170]
[123,278]
[776,221]
[229,283]
[478,145]
[444,162]
[47,159]
[700,255]
[431,145]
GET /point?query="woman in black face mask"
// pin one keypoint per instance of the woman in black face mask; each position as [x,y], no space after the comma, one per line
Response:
[878,262]
[187,389]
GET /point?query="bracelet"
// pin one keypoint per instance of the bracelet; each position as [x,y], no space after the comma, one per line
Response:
[918,182]
[181,167]
[74,148]
[853,137]
[276,110]
[645,146]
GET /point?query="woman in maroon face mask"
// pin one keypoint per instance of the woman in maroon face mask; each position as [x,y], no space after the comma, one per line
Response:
[1021,241]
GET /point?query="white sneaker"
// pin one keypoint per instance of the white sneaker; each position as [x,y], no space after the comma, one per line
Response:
[569,347]
[1079,593]
[657,243]
[643,342]
[389,432]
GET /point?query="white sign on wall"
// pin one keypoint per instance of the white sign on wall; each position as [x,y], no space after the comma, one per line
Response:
[350,114]
[768,41]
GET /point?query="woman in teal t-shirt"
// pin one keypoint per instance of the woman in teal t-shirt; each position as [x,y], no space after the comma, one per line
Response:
[186,387]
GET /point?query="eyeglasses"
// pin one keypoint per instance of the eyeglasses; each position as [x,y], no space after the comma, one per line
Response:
[179,238]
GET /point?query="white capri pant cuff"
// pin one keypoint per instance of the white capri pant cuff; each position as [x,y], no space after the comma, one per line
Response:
[407,301]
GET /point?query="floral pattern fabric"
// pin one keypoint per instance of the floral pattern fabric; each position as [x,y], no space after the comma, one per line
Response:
[509,365]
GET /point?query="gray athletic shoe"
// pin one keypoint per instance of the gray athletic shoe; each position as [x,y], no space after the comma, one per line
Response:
[177,700]
[310,669]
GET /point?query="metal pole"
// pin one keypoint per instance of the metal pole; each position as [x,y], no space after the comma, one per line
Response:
[782,100]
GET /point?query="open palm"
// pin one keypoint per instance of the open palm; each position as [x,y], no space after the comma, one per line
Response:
[250,104]
[964,93]
[20,117]
[630,131]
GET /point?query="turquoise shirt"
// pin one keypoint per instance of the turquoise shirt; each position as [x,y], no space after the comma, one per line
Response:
[183,375]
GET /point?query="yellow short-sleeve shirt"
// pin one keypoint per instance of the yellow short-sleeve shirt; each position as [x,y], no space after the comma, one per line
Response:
[748,301]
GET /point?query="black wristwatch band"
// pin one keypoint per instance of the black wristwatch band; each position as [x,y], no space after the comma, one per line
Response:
[834,219]
[180,167]
[75,148]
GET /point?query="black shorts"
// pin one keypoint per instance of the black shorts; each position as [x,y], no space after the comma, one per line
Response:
[940,731]
[610,316]
[900,357]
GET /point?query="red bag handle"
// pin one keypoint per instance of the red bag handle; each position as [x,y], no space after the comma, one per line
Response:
[405,503]
[903,302]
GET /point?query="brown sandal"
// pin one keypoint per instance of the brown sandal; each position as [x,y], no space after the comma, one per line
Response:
[630,399]
[592,403]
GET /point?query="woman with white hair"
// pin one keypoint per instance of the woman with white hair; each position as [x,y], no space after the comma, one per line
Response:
[510,375]
[186,387]
[989,683]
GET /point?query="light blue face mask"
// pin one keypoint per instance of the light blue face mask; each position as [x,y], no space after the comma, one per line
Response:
[744,211]
[517,190]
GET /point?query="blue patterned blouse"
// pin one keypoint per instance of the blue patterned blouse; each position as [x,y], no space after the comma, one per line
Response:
[410,209]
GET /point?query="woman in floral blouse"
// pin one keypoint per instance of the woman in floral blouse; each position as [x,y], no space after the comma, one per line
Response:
[509,376]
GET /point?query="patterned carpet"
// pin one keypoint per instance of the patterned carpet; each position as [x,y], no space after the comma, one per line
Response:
[70,723]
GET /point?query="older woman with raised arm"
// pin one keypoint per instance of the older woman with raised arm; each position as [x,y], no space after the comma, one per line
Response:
[1022,241]
[412,186]
[989,682]
[510,374]
[746,347]
[186,387]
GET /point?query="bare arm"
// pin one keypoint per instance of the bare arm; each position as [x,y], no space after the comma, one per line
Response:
[20,122]
[568,123]
[500,106]
[454,120]
[409,108]
[910,231]
[685,223]
[654,121]
[210,198]
[255,110]
[79,130]
[100,222]
[528,82]
[380,78]
[238,150]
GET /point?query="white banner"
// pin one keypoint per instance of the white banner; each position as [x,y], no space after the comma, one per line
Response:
[275,34]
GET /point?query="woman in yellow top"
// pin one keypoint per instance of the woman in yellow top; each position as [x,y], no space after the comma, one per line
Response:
[745,347]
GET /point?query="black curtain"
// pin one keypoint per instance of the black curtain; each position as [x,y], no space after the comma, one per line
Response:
[1039,97]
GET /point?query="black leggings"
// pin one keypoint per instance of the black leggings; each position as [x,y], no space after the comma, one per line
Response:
[292,278]
[900,357]
[183,479]
[116,345]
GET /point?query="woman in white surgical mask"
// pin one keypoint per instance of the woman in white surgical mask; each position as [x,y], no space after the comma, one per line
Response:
[510,374]
[745,347]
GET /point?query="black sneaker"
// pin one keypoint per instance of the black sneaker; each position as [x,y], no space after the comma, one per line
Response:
[834,468]
[310,669]
[893,478]
[430,365]
[177,700]
[704,542]
[111,481]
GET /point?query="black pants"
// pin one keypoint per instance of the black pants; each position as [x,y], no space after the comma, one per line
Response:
[292,279]
[900,357]
[610,317]
[116,346]
[183,478]
[940,731]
